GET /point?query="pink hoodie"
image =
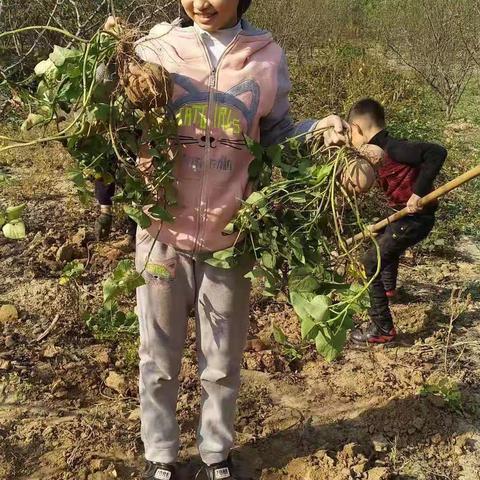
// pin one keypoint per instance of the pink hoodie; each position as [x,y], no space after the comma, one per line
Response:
[246,95]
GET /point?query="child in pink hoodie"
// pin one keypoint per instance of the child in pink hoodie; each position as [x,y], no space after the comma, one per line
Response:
[230,81]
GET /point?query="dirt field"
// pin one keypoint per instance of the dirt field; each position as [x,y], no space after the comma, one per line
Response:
[64,415]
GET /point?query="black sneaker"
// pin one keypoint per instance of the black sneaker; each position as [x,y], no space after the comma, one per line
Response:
[218,471]
[373,334]
[158,471]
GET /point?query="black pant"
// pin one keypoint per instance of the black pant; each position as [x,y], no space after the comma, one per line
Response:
[392,241]
[104,194]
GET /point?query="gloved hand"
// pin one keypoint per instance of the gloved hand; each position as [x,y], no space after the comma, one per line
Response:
[103,226]
[112,24]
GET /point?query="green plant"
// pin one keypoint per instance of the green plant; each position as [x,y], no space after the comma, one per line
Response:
[3,179]
[71,271]
[290,351]
[436,243]
[82,93]
[127,350]
[473,290]
[123,281]
[294,226]
[447,389]
[110,322]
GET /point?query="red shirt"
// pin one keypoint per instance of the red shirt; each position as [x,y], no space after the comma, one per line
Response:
[397,180]
[409,167]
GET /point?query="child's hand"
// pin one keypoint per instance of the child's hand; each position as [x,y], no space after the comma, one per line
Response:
[112,24]
[147,85]
[334,130]
[413,205]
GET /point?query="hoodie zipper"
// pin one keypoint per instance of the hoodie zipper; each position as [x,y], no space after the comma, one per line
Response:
[212,85]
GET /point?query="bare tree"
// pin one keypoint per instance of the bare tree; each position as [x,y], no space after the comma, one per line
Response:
[301,26]
[426,36]
[470,31]
[18,53]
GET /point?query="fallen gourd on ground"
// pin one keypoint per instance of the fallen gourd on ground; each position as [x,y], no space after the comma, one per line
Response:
[11,222]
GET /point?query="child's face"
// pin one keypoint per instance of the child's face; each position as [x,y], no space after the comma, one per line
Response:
[212,15]
[357,135]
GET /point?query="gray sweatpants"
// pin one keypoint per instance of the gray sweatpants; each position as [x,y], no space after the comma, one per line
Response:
[176,283]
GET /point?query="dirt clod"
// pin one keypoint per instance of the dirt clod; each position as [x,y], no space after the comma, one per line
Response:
[64,253]
[134,415]
[379,473]
[116,382]
[380,443]
[79,238]
[5,365]
[99,464]
[255,345]
[8,314]
[98,353]
[51,351]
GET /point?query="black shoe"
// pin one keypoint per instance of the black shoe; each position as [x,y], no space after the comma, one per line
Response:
[373,334]
[158,471]
[219,471]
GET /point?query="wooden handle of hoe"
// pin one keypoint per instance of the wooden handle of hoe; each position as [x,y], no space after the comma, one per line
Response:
[439,192]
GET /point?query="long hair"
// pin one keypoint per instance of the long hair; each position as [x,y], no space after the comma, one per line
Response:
[188,22]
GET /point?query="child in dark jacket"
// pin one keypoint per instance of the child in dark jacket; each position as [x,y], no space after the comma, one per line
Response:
[406,175]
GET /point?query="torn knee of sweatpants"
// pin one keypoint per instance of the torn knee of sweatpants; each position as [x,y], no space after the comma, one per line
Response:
[162,270]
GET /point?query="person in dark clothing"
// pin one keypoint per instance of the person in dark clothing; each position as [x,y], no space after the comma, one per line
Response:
[103,224]
[104,192]
[405,176]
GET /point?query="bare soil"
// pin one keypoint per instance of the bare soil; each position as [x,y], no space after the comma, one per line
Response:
[361,417]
